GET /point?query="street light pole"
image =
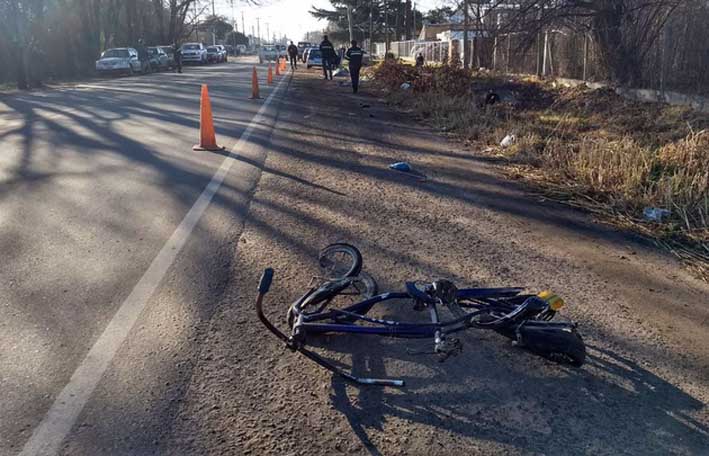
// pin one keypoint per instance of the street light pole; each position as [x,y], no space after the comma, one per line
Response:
[214,34]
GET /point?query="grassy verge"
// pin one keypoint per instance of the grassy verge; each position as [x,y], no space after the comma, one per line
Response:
[588,148]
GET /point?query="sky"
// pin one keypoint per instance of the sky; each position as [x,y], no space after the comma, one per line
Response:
[289,17]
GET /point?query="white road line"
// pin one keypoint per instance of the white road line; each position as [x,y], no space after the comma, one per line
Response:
[57,423]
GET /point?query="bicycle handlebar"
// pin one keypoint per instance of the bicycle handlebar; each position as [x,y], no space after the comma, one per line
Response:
[265,283]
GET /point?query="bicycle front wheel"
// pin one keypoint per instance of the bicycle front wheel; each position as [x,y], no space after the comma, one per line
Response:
[340,260]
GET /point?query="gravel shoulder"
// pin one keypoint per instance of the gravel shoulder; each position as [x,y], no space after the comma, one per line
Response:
[643,391]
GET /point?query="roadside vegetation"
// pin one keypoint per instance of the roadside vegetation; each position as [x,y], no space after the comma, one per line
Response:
[588,148]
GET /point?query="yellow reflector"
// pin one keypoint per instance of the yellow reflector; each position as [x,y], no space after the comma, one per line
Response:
[554,301]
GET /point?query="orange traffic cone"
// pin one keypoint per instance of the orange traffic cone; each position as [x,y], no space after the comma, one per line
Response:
[254,86]
[207,138]
[278,68]
[270,74]
[285,65]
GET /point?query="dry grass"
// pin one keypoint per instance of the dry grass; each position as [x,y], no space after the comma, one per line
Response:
[591,149]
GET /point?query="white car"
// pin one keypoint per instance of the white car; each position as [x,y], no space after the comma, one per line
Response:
[267,53]
[118,61]
[194,53]
[313,58]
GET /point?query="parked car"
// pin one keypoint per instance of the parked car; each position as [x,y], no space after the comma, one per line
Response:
[158,59]
[170,52]
[267,53]
[305,54]
[213,54]
[194,53]
[118,61]
[314,58]
[302,47]
[223,54]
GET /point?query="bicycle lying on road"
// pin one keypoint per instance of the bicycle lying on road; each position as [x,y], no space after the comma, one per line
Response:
[524,318]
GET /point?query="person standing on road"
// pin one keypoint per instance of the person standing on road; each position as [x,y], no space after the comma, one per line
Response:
[143,57]
[293,55]
[354,55]
[178,58]
[328,56]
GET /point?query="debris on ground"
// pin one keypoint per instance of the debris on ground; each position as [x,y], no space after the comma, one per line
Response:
[405,86]
[655,214]
[340,73]
[405,167]
[508,140]
[402,166]
[590,148]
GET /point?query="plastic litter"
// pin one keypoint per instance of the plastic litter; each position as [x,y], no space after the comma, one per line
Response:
[405,86]
[655,214]
[401,166]
[508,140]
[340,73]
[406,168]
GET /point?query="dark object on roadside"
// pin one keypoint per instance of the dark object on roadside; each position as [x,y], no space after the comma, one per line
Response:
[355,55]
[524,318]
[491,98]
[419,60]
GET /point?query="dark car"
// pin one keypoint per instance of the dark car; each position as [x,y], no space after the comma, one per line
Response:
[213,54]
[302,47]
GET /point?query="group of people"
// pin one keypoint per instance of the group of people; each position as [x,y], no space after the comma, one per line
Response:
[330,60]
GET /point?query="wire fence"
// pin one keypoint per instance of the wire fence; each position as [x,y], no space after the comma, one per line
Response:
[432,51]
[678,60]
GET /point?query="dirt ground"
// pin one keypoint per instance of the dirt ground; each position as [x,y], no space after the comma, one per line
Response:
[644,389]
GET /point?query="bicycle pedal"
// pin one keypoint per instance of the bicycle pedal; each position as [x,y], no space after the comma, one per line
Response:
[453,348]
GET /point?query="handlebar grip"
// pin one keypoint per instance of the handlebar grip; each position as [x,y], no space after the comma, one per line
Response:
[265,283]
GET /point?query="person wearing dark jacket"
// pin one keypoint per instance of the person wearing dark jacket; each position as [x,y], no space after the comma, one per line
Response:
[328,56]
[293,54]
[178,58]
[143,57]
[354,55]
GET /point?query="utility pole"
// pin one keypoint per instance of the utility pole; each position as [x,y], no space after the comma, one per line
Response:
[371,35]
[349,21]
[214,34]
[539,43]
[386,27]
[258,30]
[466,27]
[268,32]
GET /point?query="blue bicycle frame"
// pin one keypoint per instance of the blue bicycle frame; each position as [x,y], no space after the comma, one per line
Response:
[523,318]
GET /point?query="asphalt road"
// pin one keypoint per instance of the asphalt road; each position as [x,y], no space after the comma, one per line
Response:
[94,180]
[98,181]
